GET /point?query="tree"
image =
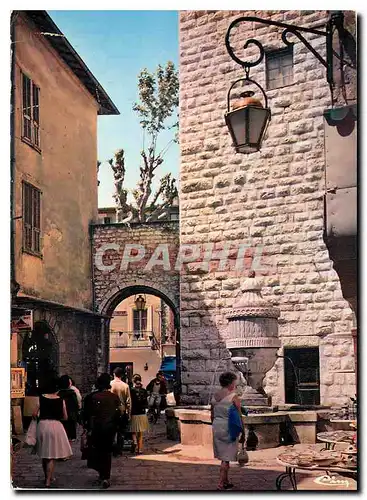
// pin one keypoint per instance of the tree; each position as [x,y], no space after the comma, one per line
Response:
[158,100]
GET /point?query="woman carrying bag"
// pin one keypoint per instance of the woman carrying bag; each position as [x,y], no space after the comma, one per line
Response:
[227,426]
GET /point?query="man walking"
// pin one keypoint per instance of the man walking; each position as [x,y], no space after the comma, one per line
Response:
[122,390]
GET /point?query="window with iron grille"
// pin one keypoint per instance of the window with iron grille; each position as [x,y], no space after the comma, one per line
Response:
[31,115]
[279,68]
[31,218]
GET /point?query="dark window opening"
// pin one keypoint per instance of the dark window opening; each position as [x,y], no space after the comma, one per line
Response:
[31,114]
[31,219]
[302,375]
[107,220]
[128,370]
[279,68]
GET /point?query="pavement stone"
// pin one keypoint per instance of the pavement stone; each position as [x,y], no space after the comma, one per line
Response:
[164,466]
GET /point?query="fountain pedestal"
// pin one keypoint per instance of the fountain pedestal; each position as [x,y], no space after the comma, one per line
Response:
[253,339]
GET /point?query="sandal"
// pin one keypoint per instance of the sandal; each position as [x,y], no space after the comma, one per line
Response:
[228,486]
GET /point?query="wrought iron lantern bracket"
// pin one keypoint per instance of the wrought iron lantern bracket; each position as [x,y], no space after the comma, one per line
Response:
[335,22]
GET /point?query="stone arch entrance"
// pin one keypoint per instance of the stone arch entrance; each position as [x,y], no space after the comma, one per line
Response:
[117,296]
[140,258]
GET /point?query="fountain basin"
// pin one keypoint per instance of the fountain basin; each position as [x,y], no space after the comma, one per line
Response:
[192,426]
[189,425]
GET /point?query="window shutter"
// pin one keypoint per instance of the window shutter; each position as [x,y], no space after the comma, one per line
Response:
[35,114]
[27,111]
[31,218]
[36,221]
[144,319]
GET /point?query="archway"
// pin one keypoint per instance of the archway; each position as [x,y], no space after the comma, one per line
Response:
[132,336]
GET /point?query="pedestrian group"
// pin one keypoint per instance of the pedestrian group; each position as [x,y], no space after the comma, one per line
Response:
[107,414]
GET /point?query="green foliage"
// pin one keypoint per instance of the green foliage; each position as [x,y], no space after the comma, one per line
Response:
[158,93]
[158,101]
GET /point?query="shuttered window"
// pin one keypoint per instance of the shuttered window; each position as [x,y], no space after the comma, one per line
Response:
[31,218]
[31,112]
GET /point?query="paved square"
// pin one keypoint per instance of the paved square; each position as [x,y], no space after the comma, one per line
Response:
[166,466]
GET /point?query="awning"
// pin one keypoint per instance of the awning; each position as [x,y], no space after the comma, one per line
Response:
[168,366]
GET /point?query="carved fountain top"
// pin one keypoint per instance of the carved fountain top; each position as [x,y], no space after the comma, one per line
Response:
[251,303]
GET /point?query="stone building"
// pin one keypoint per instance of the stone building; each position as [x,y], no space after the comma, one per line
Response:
[55,105]
[271,200]
[107,215]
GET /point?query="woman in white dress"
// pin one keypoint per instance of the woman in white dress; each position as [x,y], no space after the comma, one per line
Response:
[224,448]
[52,441]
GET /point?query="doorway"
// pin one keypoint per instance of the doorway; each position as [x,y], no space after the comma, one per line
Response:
[40,357]
[128,369]
[302,375]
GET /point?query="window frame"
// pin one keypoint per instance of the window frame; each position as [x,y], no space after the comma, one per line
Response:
[142,320]
[278,54]
[32,223]
[33,139]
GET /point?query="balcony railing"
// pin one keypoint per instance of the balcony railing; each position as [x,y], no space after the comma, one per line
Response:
[139,338]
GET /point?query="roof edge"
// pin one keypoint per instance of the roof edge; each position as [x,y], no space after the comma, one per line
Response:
[71,58]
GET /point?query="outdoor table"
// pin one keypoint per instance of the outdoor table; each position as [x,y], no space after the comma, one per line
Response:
[332,438]
[290,472]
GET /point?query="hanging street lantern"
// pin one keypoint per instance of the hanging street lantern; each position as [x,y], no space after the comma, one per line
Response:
[140,303]
[248,119]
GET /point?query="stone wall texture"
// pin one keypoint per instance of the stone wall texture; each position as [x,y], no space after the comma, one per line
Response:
[271,200]
[156,243]
[78,340]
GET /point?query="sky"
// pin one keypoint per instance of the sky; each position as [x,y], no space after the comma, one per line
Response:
[116,46]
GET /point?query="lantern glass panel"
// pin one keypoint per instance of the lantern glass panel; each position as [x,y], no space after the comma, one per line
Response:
[238,121]
[257,122]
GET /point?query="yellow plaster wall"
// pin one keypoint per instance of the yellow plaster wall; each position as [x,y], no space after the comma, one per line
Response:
[64,170]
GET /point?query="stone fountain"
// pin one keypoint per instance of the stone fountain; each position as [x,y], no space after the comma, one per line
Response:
[253,339]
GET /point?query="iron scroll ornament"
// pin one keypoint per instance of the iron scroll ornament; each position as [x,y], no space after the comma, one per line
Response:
[287,29]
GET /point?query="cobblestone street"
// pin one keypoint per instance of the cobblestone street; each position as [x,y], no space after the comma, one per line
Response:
[165,466]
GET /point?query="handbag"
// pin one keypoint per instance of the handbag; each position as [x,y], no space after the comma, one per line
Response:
[242,455]
[235,425]
[31,437]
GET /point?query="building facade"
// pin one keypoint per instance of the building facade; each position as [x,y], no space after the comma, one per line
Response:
[107,215]
[55,104]
[269,203]
[141,339]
